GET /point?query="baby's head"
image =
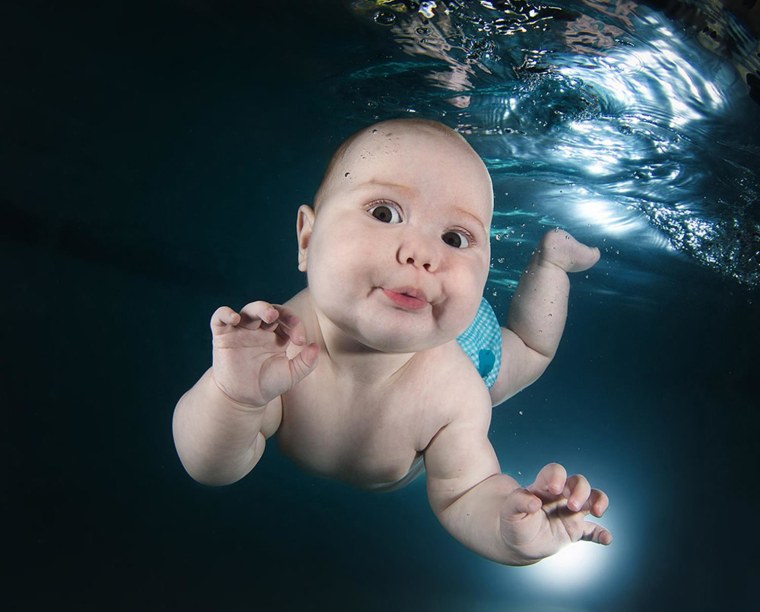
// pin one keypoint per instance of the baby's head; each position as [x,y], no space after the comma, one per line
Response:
[397,246]
[375,143]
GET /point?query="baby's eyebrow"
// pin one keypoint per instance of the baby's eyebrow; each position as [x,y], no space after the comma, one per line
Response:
[467,213]
[404,189]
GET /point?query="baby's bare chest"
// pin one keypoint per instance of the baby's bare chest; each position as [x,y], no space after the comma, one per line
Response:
[363,435]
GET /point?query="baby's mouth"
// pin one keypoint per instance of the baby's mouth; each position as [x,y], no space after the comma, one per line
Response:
[408,298]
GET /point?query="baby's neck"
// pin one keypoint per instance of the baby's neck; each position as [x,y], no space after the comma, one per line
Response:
[353,361]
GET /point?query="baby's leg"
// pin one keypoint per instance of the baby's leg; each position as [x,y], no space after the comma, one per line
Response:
[561,249]
[538,311]
[539,308]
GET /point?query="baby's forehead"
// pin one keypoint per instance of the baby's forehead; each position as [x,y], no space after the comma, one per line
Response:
[409,147]
[391,136]
[417,153]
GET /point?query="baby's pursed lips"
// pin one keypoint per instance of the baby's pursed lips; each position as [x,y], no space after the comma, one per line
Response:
[413,292]
[408,298]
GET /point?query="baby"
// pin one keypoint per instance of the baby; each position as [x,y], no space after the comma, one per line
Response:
[390,359]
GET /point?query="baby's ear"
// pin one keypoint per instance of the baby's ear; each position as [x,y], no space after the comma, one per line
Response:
[304,226]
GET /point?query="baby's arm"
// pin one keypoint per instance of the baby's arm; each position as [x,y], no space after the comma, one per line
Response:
[221,422]
[538,311]
[490,513]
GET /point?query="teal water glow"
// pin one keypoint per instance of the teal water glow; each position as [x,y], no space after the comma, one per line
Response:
[154,155]
[635,119]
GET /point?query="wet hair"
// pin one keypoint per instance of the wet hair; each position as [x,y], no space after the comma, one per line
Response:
[404,124]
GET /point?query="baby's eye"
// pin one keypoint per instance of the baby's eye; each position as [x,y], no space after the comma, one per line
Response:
[458,240]
[385,212]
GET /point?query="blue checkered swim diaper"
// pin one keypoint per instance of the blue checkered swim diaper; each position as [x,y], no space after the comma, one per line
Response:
[481,342]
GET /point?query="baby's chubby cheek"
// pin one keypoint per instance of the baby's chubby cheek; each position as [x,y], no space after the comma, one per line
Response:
[455,314]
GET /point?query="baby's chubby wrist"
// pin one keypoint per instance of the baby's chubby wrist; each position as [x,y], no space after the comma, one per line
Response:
[218,390]
[516,554]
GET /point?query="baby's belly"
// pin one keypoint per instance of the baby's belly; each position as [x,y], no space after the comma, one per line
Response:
[365,459]
[415,470]
[354,468]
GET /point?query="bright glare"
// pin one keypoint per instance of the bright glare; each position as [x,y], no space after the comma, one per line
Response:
[572,567]
[602,213]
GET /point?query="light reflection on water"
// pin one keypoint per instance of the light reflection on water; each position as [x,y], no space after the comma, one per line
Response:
[615,122]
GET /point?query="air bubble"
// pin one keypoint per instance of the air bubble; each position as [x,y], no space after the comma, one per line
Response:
[385,18]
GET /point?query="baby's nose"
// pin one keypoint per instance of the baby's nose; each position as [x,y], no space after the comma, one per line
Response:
[419,252]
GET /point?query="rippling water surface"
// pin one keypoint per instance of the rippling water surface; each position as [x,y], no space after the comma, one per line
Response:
[605,116]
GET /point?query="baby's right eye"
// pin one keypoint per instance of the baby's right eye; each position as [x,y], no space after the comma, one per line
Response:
[385,212]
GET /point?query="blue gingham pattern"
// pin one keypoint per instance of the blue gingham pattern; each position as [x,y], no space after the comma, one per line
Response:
[481,342]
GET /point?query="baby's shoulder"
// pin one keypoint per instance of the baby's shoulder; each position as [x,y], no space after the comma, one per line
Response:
[447,389]
[449,374]
[301,306]
[300,303]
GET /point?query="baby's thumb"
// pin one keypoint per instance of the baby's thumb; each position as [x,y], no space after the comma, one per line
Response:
[519,503]
[304,363]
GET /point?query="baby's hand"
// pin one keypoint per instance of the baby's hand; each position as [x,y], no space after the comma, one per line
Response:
[250,364]
[551,513]
[561,249]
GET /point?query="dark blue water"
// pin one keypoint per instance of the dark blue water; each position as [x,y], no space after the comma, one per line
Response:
[153,156]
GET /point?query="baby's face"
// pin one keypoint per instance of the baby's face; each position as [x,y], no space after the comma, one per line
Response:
[399,251]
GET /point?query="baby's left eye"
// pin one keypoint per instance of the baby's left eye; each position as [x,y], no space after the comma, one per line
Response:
[458,240]
[385,212]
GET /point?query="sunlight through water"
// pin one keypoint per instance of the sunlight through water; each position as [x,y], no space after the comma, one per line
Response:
[623,119]
[572,568]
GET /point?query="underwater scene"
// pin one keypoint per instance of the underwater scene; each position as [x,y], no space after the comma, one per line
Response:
[154,156]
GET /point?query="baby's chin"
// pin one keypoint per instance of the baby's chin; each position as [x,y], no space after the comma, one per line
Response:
[403,340]
[388,330]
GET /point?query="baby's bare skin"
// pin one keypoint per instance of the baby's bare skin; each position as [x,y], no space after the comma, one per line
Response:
[361,373]
[378,425]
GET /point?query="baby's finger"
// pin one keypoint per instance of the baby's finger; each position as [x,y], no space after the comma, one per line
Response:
[255,314]
[577,490]
[290,326]
[550,480]
[598,502]
[223,316]
[596,533]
